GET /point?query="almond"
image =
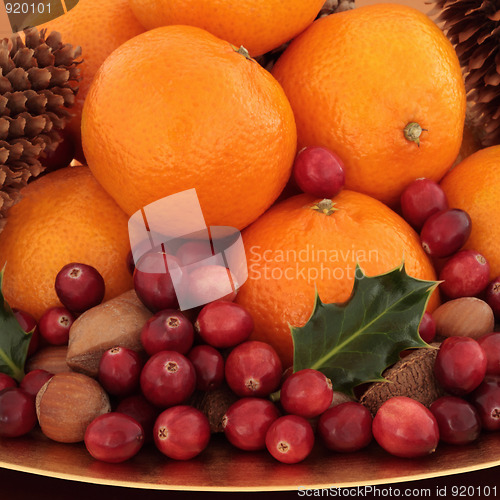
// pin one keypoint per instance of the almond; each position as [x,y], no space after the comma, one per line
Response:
[67,404]
[464,317]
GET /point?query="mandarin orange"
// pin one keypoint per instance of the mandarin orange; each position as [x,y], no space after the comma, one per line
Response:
[99,27]
[63,217]
[474,186]
[258,25]
[364,83]
[177,108]
[293,249]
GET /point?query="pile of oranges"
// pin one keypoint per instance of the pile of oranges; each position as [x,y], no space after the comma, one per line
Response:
[171,99]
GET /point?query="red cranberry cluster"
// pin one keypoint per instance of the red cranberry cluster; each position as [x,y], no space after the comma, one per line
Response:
[151,398]
[443,232]
[79,287]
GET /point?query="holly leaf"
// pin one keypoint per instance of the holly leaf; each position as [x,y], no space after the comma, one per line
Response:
[14,341]
[354,342]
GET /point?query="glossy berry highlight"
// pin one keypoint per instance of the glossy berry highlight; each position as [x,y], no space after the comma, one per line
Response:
[54,325]
[444,233]
[290,439]
[247,421]
[458,420]
[119,371]
[209,366]
[306,393]
[79,287]
[465,274]
[167,379]
[460,365]
[253,369]
[114,437]
[167,330]
[181,432]
[346,427]
[405,428]
[319,172]
[421,199]
[224,324]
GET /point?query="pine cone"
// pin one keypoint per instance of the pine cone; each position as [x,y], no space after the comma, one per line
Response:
[330,7]
[38,83]
[473,27]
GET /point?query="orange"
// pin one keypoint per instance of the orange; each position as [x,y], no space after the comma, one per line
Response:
[292,249]
[356,79]
[99,27]
[258,25]
[474,186]
[63,217]
[177,108]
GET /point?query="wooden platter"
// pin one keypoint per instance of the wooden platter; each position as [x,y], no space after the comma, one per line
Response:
[224,468]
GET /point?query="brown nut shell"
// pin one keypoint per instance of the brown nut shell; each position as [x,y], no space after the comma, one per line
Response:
[464,317]
[67,404]
[51,359]
[117,322]
[412,376]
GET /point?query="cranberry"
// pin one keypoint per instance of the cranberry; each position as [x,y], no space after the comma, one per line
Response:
[319,171]
[493,296]
[55,324]
[427,328]
[209,366]
[119,371]
[306,393]
[61,156]
[153,282]
[465,274]
[34,380]
[224,324]
[458,420]
[346,427]
[114,437]
[140,409]
[79,287]
[421,199]
[167,330]
[168,378]
[253,369]
[29,324]
[17,412]
[444,233]
[290,439]
[460,365]
[486,399]
[191,252]
[209,283]
[6,381]
[181,432]
[246,422]
[405,428]
[491,345]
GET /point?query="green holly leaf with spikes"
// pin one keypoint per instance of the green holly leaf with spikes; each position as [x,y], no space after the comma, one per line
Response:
[354,342]
[14,341]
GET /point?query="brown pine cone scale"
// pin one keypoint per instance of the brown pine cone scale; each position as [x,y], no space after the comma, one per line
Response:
[39,78]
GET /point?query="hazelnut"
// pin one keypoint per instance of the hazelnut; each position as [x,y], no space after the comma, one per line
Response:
[67,404]
[464,317]
[51,359]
